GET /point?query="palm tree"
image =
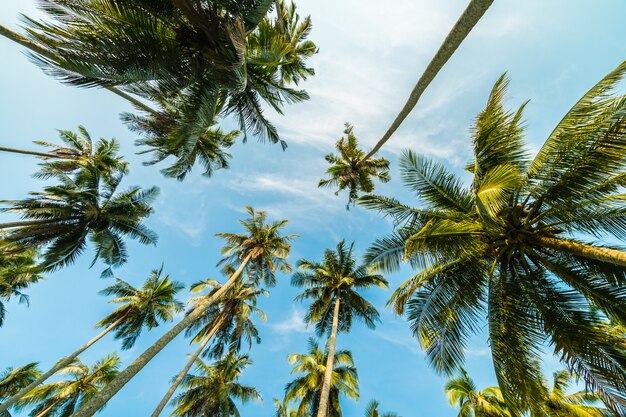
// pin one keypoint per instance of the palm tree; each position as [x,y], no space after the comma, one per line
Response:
[334,285]
[283,410]
[14,379]
[470,17]
[214,390]
[262,250]
[306,389]
[510,246]
[60,399]
[225,324]
[372,410]
[18,270]
[349,170]
[64,216]
[462,393]
[147,306]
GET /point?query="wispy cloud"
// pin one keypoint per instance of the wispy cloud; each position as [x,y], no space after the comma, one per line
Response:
[292,324]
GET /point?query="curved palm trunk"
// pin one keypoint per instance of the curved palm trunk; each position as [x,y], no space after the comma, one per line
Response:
[612,256]
[23,152]
[185,370]
[16,37]
[89,408]
[472,14]
[59,365]
[328,373]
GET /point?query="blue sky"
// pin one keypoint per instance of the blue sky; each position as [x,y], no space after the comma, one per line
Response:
[371,53]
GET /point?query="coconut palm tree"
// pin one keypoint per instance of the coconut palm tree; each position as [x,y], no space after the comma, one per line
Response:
[306,389]
[64,216]
[14,379]
[18,270]
[225,324]
[61,398]
[215,389]
[333,285]
[513,246]
[372,410]
[283,410]
[262,250]
[349,170]
[462,393]
[348,166]
[148,306]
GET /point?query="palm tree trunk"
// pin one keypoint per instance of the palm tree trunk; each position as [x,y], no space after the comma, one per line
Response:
[47,409]
[25,223]
[185,370]
[612,256]
[41,154]
[328,373]
[89,408]
[35,47]
[472,14]
[59,365]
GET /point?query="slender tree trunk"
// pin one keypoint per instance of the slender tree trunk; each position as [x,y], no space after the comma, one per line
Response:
[41,154]
[89,408]
[328,373]
[35,47]
[612,256]
[59,365]
[472,14]
[47,409]
[185,370]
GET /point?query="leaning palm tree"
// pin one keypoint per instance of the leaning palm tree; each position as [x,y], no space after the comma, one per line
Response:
[262,249]
[333,285]
[64,216]
[360,169]
[462,393]
[225,324]
[306,389]
[215,389]
[61,398]
[372,410]
[349,170]
[14,379]
[148,306]
[18,270]
[514,246]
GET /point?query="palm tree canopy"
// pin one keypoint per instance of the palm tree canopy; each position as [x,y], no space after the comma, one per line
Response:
[337,276]
[148,306]
[462,393]
[305,390]
[372,410]
[62,398]
[262,241]
[14,379]
[215,389]
[348,169]
[505,246]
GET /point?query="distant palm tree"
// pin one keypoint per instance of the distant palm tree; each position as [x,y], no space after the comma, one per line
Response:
[462,393]
[63,216]
[372,410]
[333,285]
[283,410]
[306,389]
[361,169]
[147,306]
[349,170]
[18,270]
[214,390]
[224,324]
[14,379]
[62,398]
[261,251]
[505,246]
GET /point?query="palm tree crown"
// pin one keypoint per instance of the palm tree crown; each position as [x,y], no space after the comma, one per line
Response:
[505,246]
[462,393]
[14,379]
[372,410]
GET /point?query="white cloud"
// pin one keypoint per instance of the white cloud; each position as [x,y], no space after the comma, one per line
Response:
[292,324]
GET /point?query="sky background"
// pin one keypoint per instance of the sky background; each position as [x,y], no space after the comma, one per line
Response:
[371,54]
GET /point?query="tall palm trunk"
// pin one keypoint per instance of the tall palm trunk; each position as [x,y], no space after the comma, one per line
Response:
[41,154]
[472,14]
[185,370]
[328,373]
[35,47]
[46,410]
[612,256]
[89,408]
[59,365]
